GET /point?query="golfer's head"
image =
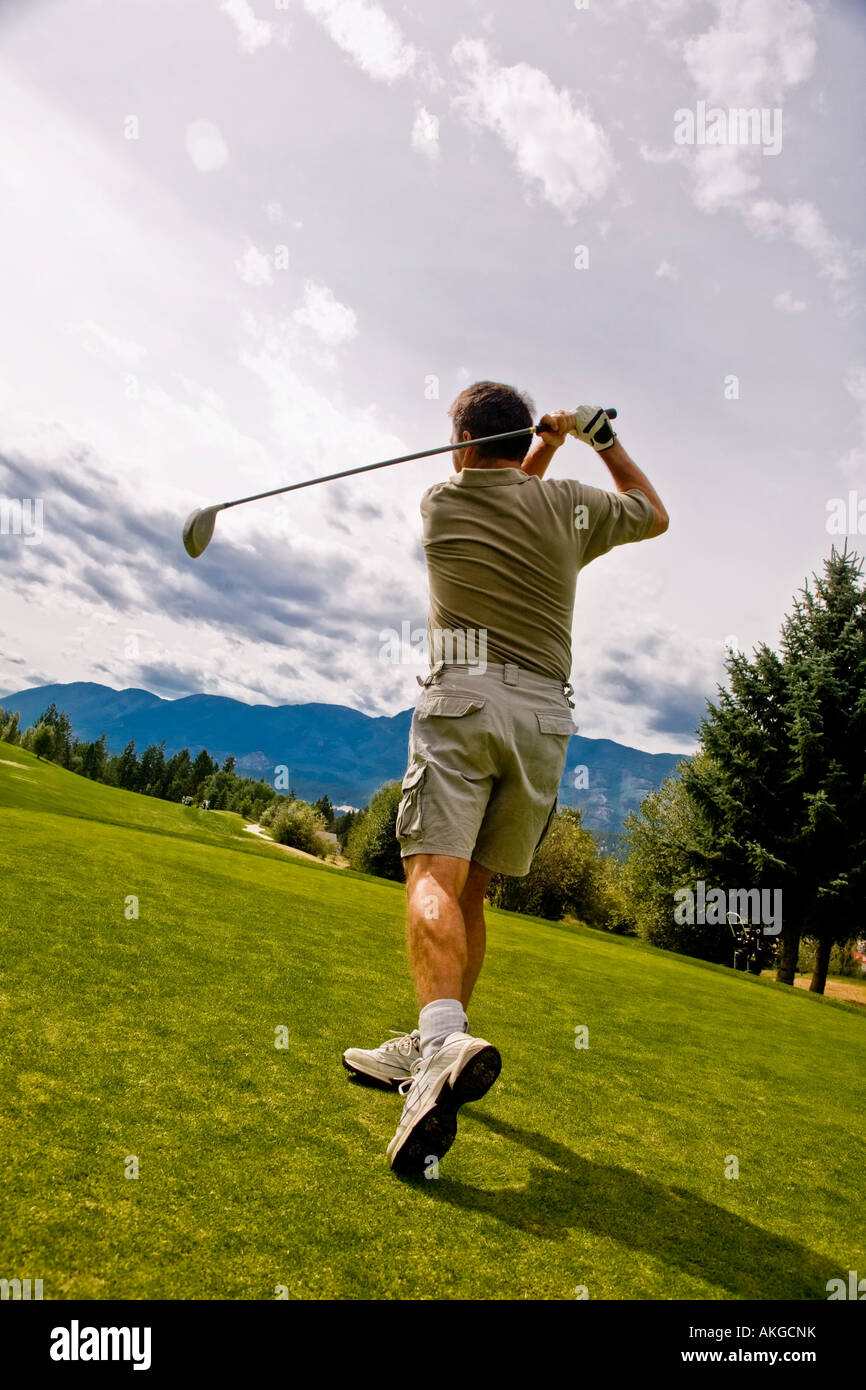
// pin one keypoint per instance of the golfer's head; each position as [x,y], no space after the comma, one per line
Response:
[489,407]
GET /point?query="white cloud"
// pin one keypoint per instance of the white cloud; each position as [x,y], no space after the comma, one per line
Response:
[664,156]
[425,133]
[254,267]
[665,271]
[253,33]
[803,224]
[205,146]
[331,321]
[786,302]
[724,176]
[754,52]
[364,31]
[751,57]
[554,142]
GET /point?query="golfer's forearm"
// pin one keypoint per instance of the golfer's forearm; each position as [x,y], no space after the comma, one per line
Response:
[538,457]
[626,475]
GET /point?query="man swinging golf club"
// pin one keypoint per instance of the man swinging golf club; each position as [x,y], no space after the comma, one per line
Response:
[491,728]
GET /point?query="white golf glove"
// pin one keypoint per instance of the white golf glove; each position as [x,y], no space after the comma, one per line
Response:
[593,426]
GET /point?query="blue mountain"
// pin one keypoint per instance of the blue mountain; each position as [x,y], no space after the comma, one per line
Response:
[327,748]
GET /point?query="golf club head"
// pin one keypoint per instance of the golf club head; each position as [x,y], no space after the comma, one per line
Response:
[198,530]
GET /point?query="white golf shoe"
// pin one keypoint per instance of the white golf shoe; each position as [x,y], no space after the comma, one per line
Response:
[389,1064]
[462,1070]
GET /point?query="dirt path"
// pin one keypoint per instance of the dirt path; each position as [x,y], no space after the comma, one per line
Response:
[853,990]
[338,863]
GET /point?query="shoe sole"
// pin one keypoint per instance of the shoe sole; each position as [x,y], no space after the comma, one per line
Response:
[436,1131]
[369,1078]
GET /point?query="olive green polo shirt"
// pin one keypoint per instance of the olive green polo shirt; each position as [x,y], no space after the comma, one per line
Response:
[503,552]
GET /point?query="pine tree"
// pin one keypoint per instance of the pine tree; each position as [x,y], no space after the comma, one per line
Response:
[178,776]
[782,789]
[94,760]
[61,728]
[203,768]
[824,646]
[127,770]
[152,770]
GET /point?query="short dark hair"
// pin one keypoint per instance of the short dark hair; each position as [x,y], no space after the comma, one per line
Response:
[489,407]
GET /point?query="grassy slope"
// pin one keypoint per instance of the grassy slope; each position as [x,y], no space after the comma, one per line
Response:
[261,1167]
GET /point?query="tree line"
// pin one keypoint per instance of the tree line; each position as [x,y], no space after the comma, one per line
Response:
[772,804]
[198,781]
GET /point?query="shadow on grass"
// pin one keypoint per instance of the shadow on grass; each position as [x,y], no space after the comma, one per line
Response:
[674,1225]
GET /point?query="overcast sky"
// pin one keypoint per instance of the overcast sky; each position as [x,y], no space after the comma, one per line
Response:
[244,243]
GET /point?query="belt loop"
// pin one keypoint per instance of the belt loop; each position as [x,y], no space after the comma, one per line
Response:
[511,673]
[431,676]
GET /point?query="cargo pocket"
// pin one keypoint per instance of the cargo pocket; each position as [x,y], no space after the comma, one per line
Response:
[448,706]
[409,810]
[556,724]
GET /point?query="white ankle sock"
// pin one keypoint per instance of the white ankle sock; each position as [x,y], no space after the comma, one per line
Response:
[436,1020]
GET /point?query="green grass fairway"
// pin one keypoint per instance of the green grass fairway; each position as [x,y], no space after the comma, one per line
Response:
[259,1167]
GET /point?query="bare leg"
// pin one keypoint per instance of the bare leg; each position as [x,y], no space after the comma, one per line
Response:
[472,907]
[436,931]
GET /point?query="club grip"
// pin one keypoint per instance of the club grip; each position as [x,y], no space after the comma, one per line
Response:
[609,410]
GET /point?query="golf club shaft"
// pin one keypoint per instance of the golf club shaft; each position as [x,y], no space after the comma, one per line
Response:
[387,463]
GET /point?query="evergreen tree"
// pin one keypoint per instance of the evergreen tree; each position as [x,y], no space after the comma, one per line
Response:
[782,790]
[152,769]
[61,734]
[203,768]
[179,776]
[94,760]
[126,771]
[343,826]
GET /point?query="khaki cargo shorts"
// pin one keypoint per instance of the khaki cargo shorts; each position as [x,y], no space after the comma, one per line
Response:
[486,753]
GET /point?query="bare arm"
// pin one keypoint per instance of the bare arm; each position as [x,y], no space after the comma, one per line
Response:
[545,445]
[623,469]
[627,475]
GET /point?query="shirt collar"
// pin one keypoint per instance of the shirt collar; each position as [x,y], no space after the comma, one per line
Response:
[489,477]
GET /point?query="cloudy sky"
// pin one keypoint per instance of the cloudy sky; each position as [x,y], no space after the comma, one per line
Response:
[247,242]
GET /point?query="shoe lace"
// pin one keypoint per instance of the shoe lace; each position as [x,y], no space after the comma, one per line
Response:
[410,1080]
[404,1043]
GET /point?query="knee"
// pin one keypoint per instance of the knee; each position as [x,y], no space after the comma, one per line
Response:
[428,895]
[430,885]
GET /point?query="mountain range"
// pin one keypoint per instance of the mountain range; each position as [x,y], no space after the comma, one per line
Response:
[327,748]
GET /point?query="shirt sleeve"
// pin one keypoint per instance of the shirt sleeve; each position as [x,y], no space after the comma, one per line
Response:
[604,519]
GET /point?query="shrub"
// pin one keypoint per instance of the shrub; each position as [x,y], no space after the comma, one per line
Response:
[43,741]
[567,875]
[372,845]
[297,824]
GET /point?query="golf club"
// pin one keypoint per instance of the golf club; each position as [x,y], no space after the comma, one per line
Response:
[199,526]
